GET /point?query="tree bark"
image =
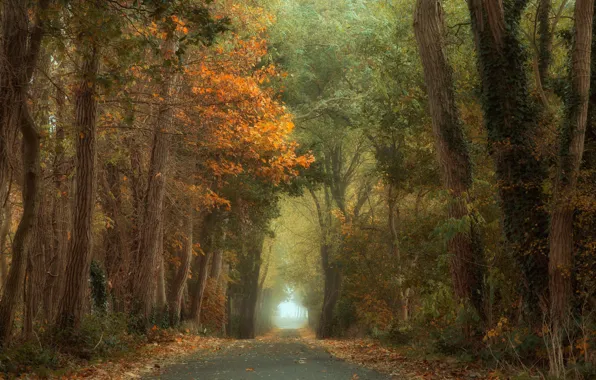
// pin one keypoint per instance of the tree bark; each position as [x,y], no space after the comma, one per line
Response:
[572,146]
[392,225]
[15,36]
[331,294]
[185,254]
[15,27]
[60,213]
[117,260]
[153,205]
[545,40]
[198,291]
[451,147]
[512,118]
[216,263]
[331,273]
[35,277]
[160,296]
[70,309]
[251,265]
[4,230]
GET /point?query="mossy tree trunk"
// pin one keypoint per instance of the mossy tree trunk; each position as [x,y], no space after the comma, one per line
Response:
[572,139]
[451,147]
[545,40]
[512,116]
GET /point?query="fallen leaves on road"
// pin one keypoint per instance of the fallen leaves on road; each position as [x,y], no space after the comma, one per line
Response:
[149,358]
[371,354]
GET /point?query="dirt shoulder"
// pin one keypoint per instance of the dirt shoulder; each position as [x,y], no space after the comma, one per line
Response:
[397,362]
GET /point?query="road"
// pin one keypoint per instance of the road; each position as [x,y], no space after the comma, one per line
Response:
[283,357]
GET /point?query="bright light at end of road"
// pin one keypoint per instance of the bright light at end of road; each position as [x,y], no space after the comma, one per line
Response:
[288,309]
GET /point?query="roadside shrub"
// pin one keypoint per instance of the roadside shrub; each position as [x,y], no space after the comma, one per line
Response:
[512,344]
[28,357]
[450,340]
[100,335]
[397,335]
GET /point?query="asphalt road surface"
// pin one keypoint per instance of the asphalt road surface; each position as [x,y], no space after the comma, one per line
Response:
[282,358]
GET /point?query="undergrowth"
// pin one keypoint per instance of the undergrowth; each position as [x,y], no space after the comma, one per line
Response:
[101,336]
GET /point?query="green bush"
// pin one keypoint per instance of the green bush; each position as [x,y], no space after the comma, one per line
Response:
[450,341]
[514,345]
[99,335]
[398,335]
[98,285]
[28,357]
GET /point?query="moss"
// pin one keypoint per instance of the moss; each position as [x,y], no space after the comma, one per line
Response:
[512,117]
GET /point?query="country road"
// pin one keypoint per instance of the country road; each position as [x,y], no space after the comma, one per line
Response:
[284,356]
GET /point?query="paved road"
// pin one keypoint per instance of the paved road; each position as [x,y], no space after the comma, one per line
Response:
[282,358]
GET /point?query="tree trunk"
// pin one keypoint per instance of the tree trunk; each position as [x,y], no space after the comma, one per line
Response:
[117,260]
[331,274]
[391,223]
[14,48]
[216,264]
[572,147]
[251,265]
[512,118]
[198,291]
[451,147]
[15,36]
[70,309]
[331,293]
[222,289]
[4,230]
[35,277]
[60,214]
[160,296]
[545,41]
[179,282]
[153,205]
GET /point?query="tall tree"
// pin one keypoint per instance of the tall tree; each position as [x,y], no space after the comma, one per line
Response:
[201,264]
[60,208]
[250,260]
[20,52]
[572,138]
[451,147]
[144,284]
[70,310]
[181,275]
[512,117]
[545,39]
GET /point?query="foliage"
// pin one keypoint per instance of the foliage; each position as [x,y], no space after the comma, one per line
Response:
[99,291]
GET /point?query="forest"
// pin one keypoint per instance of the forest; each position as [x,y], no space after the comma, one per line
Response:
[418,176]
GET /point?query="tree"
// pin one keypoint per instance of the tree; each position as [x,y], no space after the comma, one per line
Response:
[452,149]
[21,45]
[153,204]
[181,274]
[572,137]
[511,118]
[80,252]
